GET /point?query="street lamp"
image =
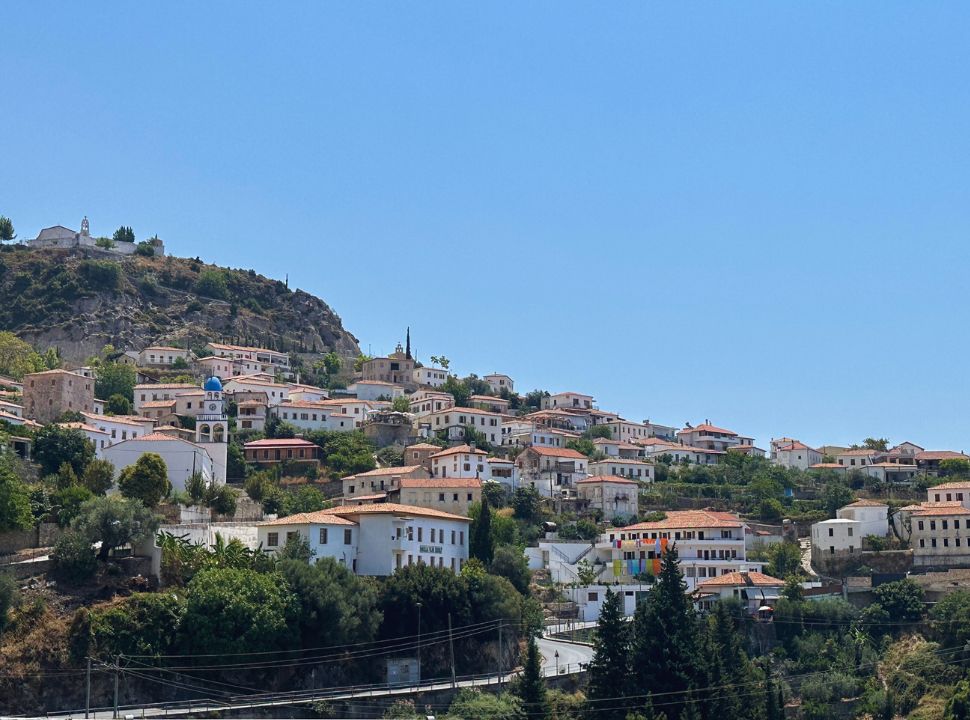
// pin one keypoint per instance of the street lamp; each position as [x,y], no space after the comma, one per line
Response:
[419,642]
[557,663]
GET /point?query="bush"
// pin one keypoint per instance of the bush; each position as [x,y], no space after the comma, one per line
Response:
[114,521]
[144,624]
[212,283]
[146,480]
[100,275]
[9,598]
[223,500]
[145,249]
[73,559]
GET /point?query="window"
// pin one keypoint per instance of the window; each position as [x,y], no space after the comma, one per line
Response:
[920,524]
[420,534]
[292,535]
[850,532]
[441,498]
[932,524]
[348,536]
[461,537]
[593,597]
[452,537]
[323,536]
[432,534]
[831,532]
[272,539]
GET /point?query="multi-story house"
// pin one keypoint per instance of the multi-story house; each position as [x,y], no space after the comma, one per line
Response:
[638,470]
[381,480]
[567,401]
[551,470]
[615,497]
[147,395]
[451,423]
[396,368]
[794,454]
[426,402]
[860,457]
[490,403]
[48,395]
[710,437]
[429,376]
[163,356]
[709,543]
[375,539]
[928,461]
[252,359]
[450,494]
[273,451]
[499,382]
[276,393]
[940,535]
[462,461]
[872,516]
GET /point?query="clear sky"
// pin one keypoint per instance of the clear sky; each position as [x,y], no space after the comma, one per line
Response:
[756,213]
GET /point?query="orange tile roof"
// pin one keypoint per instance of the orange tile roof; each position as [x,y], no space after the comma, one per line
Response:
[707,427]
[615,479]
[681,519]
[939,455]
[441,483]
[385,471]
[424,446]
[396,509]
[82,426]
[957,485]
[751,578]
[825,466]
[158,404]
[955,509]
[866,503]
[320,517]
[167,386]
[557,452]
[621,461]
[279,442]
[467,410]
[460,450]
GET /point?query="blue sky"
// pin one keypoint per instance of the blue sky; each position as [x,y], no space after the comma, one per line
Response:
[756,213]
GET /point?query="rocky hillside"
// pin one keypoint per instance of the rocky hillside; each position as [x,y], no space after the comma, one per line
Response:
[81,300]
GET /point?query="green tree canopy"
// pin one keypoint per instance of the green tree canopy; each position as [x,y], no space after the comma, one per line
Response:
[124,234]
[510,562]
[55,445]
[212,283]
[7,232]
[609,669]
[115,379]
[480,539]
[117,404]
[146,480]
[231,611]
[114,521]
[530,686]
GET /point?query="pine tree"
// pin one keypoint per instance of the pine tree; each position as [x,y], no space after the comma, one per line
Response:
[480,542]
[727,665]
[774,709]
[531,688]
[665,654]
[608,670]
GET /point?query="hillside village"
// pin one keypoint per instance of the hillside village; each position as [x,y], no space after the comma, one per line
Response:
[383,464]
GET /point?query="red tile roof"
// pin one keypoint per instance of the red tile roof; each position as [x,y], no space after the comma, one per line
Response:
[751,578]
[557,452]
[396,509]
[615,479]
[279,442]
[866,503]
[687,519]
[955,509]
[460,450]
[939,455]
[441,483]
[386,471]
[708,428]
[320,517]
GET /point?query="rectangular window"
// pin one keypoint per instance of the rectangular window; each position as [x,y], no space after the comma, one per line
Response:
[420,534]
[272,539]
[348,536]
[323,536]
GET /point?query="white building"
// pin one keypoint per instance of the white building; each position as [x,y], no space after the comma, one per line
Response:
[836,537]
[429,376]
[958,491]
[376,539]
[499,382]
[159,392]
[212,429]
[872,516]
[940,535]
[375,390]
[163,356]
[589,599]
[452,423]
[633,469]
[791,453]
[276,393]
[182,458]
[120,427]
[615,496]
[318,416]
[425,403]
[255,359]
[462,461]
[709,543]
[752,589]
[710,437]
[504,472]
[96,436]
[567,401]
[307,393]
[551,470]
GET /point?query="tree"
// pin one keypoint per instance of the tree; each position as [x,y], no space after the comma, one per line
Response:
[664,652]
[951,619]
[401,404]
[124,234]
[223,500]
[330,364]
[105,243]
[510,562]
[345,453]
[880,444]
[55,445]
[473,703]
[145,249]
[609,668]
[236,467]
[958,706]
[526,504]
[955,467]
[784,559]
[902,600]
[17,358]
[306,499]
[73,559]
[231,611]
[212,283]
[582,445]
[336,607]
[600,431]
[98,476]
[458,390]
[7,233]
[117,404]
[115,379]
[835,494]
[480,540]
[146,480]
[531,688]
[114,521]
[15,511]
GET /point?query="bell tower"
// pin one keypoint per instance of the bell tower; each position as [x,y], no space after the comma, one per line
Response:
[212,428]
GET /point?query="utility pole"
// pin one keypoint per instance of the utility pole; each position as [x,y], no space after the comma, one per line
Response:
[117,668]
[451,651]
[419,644]
[87,694]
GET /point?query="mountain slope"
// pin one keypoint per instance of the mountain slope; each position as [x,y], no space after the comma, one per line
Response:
[81,300]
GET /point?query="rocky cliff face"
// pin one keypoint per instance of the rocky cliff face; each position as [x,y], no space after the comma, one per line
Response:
[81,300]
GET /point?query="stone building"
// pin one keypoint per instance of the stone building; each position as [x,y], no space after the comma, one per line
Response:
[396,368]
[59,236]
[50,394]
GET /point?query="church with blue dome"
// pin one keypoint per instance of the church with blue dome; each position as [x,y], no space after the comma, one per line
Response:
[212,428]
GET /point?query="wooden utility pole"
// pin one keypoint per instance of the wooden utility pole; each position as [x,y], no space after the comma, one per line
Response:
[451,651]
[87,694]
[117,669]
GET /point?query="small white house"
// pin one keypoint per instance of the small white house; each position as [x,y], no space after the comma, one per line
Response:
[623,467]
[429,376]
[375,390]
[462,461]
[614,496]
[182,458]
[499,382]
[835,537]
[872,516]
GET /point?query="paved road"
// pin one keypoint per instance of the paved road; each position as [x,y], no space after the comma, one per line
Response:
[571,655]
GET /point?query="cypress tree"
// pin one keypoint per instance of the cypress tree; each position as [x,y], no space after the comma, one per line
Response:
[480,542]
[665,653]
[774,710]
[728,664]
[609,668]
[531,688]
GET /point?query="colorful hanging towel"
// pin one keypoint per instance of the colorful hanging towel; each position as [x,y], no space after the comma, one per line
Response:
[656,567]
[617,568]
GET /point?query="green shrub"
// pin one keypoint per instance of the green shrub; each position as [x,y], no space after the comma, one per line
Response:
[73,559]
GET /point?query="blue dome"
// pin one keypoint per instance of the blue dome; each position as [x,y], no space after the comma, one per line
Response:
[213,384]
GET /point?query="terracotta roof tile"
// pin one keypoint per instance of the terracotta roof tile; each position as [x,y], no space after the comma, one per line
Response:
[742,579]
[441,483]
[680,519]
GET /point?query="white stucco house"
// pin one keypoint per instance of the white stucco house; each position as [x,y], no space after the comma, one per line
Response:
[872,516]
